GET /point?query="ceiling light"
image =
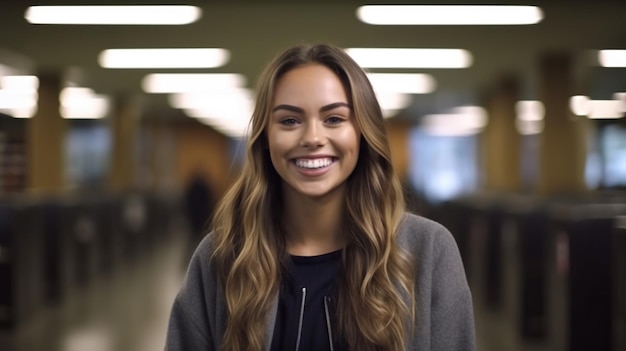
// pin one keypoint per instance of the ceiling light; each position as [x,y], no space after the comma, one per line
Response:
[115,15]
[18,95]
[407,83]
[612,58]
[579,105]
[529,110]
[223,100]
[18,103]
[164,58]
[410,58]
[83,103]
[449,15]
[621,97]
[392,102]
[230,120]
[461,121]
[20,83]
[189,82]
[606,109]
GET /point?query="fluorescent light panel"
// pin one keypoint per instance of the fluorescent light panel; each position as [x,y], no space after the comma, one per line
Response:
[18,95]
[164,58]
[606,109]
[449,15]
[223,100]
[391,102]
[410,58]
[20,83]
[581,105]
[190,82]
[407,83]
[460,121]
[529,110]
[612,58]
[83,103]
[113,15]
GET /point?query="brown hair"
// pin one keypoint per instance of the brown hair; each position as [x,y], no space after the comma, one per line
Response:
[375,301]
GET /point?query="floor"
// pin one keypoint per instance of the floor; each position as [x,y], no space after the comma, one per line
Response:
[128,311]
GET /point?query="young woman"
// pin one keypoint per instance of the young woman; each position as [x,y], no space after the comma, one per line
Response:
[311,249]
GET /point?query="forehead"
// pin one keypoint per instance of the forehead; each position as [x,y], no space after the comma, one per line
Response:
[310,82]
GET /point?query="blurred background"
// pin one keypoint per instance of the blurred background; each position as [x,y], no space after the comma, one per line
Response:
[506,125]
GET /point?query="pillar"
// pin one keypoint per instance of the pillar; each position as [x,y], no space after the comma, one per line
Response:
[500,140]
[46,134]
[124,123]
[562,150]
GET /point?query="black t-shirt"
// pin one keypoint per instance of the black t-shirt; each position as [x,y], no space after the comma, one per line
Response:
[312,278]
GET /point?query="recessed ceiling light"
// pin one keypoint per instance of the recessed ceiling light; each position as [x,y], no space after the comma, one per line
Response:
[580,105]
[606,109]
[407,83]
[20,83]
[529,110]
[224,99]
[612,58]
[164,58]
[461,121]
[449,15]
[190,82]
[410,58]
[113,15]
[83,103]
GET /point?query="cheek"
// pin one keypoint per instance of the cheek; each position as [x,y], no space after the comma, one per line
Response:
[350,140]
[278,144]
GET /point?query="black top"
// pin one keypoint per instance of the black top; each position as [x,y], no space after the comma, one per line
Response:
[312,278]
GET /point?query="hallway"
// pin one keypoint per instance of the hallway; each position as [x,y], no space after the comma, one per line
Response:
[127,311]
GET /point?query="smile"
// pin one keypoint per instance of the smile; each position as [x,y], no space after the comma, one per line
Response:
[315,163]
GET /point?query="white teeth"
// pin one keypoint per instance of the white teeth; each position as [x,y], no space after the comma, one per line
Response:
[313,164]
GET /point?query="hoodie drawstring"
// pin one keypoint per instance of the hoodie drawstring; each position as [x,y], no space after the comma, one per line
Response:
[301,319]
[330,333]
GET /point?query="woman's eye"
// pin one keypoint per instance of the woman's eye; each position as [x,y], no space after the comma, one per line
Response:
[334,120]
[288,122]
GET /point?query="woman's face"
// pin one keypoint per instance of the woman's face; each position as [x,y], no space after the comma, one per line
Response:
[312,134]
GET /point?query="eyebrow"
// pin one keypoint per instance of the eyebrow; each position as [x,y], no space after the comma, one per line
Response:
[301,110]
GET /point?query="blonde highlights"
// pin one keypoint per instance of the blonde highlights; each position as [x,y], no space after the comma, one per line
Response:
[375,300]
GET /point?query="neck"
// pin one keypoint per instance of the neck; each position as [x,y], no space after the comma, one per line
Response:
[313,226]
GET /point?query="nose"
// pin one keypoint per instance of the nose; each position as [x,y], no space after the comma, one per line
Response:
[312,136]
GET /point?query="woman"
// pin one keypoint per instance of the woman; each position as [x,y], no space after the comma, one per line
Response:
[311,249]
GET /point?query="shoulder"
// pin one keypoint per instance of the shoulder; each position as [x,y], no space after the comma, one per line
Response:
[417,233]
[431,246]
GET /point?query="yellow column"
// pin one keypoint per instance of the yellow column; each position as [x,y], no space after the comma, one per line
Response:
[46,139]
[124,125]
[563,141]
[501,140]
[398,134]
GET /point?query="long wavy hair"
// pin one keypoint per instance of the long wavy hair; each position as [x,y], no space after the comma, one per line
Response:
[375,299]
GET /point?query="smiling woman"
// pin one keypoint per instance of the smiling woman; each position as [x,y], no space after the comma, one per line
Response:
[311,249]
[312,136]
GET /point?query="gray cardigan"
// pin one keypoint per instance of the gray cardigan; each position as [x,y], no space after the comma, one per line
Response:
[444,321]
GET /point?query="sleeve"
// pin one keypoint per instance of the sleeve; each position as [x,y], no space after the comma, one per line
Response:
[189,326]
[452,313]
